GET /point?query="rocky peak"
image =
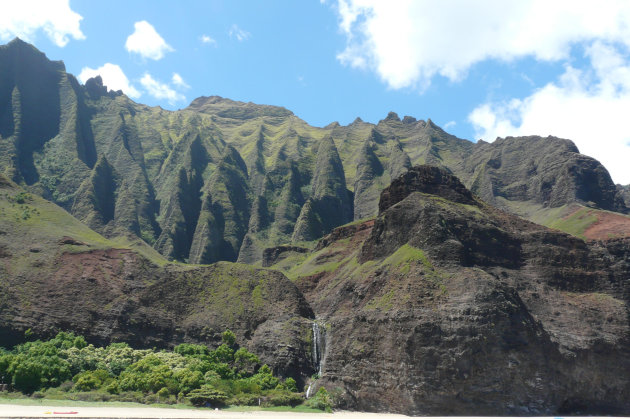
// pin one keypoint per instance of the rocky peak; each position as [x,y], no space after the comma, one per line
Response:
[391,116]
[233,109]
[427,179]
[28,53]
[95,88]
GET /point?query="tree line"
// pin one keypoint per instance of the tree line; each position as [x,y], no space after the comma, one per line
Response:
[67,367]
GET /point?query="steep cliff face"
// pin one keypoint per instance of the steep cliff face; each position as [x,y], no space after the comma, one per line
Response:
[624,192]
[549,171]
[447,305]
[330,204]
[296,183]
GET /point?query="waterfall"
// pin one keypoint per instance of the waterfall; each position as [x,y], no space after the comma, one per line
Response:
[319,348]
[319,345]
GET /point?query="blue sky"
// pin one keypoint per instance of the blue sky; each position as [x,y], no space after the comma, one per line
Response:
[479,69]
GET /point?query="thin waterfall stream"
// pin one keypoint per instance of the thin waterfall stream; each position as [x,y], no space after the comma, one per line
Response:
[319,347]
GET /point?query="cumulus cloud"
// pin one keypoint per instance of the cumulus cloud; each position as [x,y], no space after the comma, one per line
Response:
[408,42]
[146,42]
[587,105]
[238,33]
[449,124]
[160,90]
[113,77]
[208,40]
[178,81]
[25,18]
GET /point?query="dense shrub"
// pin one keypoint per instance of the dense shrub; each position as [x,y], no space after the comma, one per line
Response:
[207,394]
[91,380]
[67,367]
[321,400]
[283,398]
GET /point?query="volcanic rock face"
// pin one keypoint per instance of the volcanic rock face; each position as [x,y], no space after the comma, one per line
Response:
[460,308]
[549,171]
[426,179]
[272,255]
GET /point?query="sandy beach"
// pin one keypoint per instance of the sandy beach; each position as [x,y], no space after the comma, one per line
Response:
[18,411]
[13,411]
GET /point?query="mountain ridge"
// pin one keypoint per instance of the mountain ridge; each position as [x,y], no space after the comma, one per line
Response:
[149,151]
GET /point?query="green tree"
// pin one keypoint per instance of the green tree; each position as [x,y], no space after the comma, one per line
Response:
[37,364]
[119,356]
[245,362]
[188,349]
[223,354]
[265,379]
[149,374]
[90,380]
[291,385]
[321,400]
[84,359]
[207,394]
[163,393]
[188,379]
[228,338]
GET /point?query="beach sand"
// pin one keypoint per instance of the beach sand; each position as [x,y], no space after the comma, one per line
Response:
[12,411]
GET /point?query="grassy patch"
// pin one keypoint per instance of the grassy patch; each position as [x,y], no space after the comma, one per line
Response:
[289,262]
[355,222]
[384,302]
[572,219]
[297,409]
[404,256]
[28,401]
[576,223]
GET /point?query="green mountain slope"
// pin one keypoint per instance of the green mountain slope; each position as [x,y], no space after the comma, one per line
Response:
[223,180]
[57,274]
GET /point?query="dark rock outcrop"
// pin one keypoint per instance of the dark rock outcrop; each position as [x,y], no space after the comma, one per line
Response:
[271,255]
[549,171]
[450,307]
[624,192]
[426,179]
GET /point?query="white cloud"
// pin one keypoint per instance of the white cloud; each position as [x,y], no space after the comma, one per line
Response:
[408,42]
[238,33]
[160,90]
[178,81]
[25,17]
[146,42]
[589,106]
[208,40]
[113,77]
[449,125]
